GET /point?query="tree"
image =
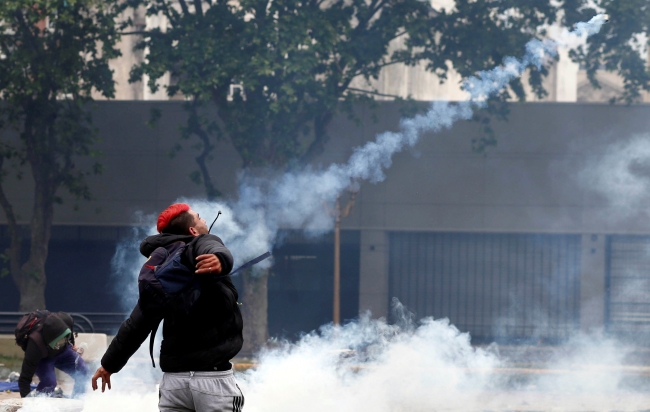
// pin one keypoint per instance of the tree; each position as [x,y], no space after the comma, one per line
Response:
[54,55]
[619,46]
[274,73]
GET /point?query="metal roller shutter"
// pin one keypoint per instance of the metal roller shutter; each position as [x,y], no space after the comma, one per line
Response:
[628,285]
[495,286]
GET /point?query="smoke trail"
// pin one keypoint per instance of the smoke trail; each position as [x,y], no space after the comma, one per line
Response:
[621,176]
[296,199]
[127,261]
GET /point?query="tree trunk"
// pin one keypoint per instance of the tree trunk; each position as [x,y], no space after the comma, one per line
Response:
[255,311]
[194,126]
[32,289]
[33,281]
[14,251]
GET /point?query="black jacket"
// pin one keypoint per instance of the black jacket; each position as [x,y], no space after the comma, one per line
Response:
[207,338]
[38,349]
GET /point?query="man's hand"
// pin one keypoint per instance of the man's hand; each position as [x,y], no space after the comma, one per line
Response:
[208,264]
[106,378]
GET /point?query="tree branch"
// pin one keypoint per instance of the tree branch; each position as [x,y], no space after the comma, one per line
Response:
[21,20]
[379,66]
[168,13]
[354,89]
[320,137]
[184,7]
[378,5]
[373,8]
[194,126]
[198,7]
[129,33]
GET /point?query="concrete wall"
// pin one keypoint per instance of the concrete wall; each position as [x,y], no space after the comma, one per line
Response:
[529,183]
[532,182]
[139,174]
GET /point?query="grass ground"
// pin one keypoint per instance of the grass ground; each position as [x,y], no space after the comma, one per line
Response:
[11,356]
[9,363]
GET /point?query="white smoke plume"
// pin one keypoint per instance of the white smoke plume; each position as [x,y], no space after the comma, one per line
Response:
[127,261]
[621,176]
[430,366]
[296,199]
[299,199]
[411,366]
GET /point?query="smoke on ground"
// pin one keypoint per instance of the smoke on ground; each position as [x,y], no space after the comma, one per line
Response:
[411,365]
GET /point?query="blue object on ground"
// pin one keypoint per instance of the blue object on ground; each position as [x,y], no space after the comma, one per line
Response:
[12,386]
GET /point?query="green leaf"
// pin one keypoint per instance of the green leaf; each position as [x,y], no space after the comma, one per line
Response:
[154,116]
[195,177]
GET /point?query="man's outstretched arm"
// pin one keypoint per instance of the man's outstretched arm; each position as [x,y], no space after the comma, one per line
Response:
[128,340]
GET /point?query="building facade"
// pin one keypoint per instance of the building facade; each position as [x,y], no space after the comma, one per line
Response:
[544,235]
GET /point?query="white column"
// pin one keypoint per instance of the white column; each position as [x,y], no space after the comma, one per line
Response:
[161,94]
[566,78]
[373,277]
[592,283]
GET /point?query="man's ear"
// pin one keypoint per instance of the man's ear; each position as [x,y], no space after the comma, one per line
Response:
[193,231]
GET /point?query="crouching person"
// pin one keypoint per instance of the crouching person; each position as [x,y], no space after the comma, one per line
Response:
[48,342]
[202,329]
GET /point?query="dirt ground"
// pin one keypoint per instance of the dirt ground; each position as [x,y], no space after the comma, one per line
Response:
[9,395]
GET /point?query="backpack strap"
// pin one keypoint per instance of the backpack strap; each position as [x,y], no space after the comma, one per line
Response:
[151,340]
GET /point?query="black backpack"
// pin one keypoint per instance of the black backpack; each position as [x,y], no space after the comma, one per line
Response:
[167,285]
[28,324]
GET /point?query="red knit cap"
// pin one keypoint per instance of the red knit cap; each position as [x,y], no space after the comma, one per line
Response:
[170,213]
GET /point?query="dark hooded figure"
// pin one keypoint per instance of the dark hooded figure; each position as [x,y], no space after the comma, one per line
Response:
[50,346]
[197,346]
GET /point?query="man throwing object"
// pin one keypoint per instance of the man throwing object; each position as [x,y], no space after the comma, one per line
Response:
[198,342]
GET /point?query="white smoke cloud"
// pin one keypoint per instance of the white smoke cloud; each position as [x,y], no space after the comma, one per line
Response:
[298,199]
[127,261]
[429,365]
[621,176]
[432,366]
[383,368]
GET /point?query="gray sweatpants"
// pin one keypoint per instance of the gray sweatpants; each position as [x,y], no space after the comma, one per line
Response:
[200,392]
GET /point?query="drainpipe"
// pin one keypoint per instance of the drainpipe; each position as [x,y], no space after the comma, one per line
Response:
[339,214]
